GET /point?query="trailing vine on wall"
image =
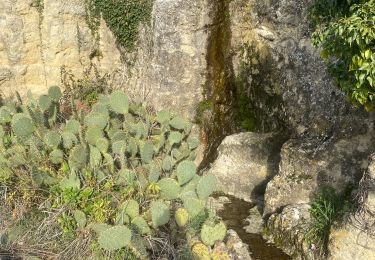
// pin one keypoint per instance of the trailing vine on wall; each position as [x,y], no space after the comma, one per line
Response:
[123,17]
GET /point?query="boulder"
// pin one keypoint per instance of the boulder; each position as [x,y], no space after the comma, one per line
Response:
[246,162]
[356,240]
[287,230]
[309,164]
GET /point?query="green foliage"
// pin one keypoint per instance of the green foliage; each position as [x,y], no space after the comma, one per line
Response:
[115,238]
[111,170]
[211,233]
[347,38]
[327,209]
[124,17]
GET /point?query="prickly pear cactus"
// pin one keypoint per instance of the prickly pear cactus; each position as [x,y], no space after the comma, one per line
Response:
[181,217]
[211,233]
[115,238]
[114,163]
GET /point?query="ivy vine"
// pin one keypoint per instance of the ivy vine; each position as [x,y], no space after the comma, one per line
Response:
[123,17]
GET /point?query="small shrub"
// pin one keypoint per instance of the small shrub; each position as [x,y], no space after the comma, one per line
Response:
[117,171]
[347,38]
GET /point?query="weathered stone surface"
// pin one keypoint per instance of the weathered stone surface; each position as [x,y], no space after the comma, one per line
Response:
[167,68]
[254,221]
[246,162]
[356,240]
[309,164]
[281,73]
[34,46]
[238,249]
[287,230]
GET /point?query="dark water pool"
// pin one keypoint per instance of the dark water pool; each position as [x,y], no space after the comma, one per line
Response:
[234,215]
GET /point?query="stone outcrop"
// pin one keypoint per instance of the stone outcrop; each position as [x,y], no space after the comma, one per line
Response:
[307,165]
[36,44]
[287,230]
[356,240]
[167,68]
[246,162]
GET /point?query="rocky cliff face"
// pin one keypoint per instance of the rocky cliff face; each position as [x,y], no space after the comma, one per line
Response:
[247,60]
[36,42]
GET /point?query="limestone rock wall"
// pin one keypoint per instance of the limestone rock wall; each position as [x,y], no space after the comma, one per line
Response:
[34,45]
[167,68]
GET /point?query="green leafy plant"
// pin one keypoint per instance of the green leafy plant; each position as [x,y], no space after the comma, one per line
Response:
[118,170]
[348,42]
[327,209]
[123,17]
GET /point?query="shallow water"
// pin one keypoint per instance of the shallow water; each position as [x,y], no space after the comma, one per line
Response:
[234,215]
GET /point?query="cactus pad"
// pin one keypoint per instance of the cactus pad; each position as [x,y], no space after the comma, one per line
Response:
[141,225]
[186,170]
[181,216]
[206,186]
[170,189]
[160,213]
[115,238]
[119,102]
[212,233]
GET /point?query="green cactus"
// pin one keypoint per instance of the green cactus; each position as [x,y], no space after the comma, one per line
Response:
[93,134]
[98,227]
[125,176]
[212,233]
[186,170]
[5,115]
[177,123]
[188,195]
[22,126]
[80,218]
[130,207]
[52,139]
[102,144]
[56,156]
[147,152]
[167,163]
[182,217]
[141,225]
[69,140]
[78,157]
[119,102]
[115,238]
[100,108]
[132,147]
[96,120]
[193,206]
[154,173]
[122,218]
[119,147]
[119,135]
[169,189]
[163,117]
[44,102]
[72,126]
[95,157]
[160,213]
[109,162]
[71,182]
[141,130]
[193,143]
[175,138]
[54,93]
[206,186]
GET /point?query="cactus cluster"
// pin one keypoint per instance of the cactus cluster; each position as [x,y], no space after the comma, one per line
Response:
[120,170]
